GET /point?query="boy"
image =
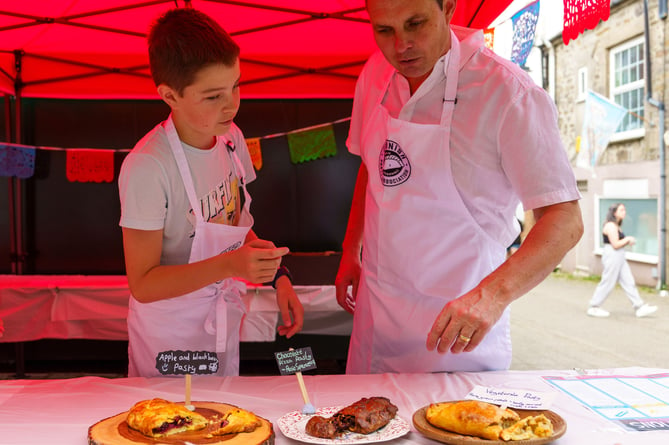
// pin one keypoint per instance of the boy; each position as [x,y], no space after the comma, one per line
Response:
[185,209]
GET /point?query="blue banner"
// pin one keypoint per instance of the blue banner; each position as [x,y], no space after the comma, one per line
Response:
[600,121]
[17,161]
[524,29]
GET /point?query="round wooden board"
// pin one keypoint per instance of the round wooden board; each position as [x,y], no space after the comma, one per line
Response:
[115,431]
[425,428]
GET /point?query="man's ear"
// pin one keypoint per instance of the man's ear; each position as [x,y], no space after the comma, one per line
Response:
[168,95]
[449,9]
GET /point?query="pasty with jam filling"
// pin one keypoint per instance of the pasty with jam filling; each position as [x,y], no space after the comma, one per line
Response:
[160,418]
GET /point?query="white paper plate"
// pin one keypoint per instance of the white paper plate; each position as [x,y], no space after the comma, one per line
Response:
[292,426]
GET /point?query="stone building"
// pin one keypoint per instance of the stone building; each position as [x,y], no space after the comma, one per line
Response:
[611,60]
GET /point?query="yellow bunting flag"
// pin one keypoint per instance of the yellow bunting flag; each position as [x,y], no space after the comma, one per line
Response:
[254,150]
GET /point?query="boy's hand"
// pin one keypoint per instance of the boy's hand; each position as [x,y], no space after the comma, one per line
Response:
[292,312]
[256,261]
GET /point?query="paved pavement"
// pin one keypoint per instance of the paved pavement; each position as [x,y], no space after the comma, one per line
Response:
[550,329]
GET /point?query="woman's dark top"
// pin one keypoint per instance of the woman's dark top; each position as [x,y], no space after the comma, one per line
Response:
[621,235]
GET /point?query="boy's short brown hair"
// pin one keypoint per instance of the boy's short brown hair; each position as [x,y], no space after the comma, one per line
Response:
[182,42]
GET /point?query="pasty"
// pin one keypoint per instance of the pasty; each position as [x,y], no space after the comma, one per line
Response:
[472,418]
[364,416]
[237,421]
[324,427]
[159,418]
[530,427]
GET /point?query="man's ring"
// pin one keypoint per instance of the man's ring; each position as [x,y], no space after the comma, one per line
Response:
[464,338]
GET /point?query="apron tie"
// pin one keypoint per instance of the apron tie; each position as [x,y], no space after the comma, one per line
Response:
[216,323]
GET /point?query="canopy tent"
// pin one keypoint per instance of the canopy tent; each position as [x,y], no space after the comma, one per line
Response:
[85,49]
[96,49]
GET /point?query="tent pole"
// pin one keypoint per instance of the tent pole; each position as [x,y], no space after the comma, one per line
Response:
[17,206]
[18,200]
[13,253]
[662,194]
[20,257]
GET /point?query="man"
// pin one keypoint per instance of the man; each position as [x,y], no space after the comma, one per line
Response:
[451,137]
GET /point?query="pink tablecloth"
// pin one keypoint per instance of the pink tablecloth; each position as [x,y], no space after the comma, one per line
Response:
[34,307]
[35,412]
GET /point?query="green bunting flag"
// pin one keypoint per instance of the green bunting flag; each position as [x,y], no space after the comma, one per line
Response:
[314,143]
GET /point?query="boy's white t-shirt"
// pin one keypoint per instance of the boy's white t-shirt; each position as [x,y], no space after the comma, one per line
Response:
[153,196]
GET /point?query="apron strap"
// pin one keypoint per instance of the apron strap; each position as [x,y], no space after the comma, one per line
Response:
[182,164]
[452,72]
[236,162]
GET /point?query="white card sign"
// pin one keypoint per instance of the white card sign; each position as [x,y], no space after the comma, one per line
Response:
[512,398]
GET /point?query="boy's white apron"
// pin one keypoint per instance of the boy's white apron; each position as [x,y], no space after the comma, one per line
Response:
[422,248]
[207,319]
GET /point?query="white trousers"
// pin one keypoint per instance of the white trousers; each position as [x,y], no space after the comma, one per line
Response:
[616,270]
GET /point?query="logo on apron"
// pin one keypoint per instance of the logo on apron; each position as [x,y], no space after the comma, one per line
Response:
[394,166]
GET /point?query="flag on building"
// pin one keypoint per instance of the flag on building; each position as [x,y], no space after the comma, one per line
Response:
[524,30]
[600,121]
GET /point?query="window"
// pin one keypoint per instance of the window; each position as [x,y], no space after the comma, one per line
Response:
[640,222]
[627,85]
[582,84]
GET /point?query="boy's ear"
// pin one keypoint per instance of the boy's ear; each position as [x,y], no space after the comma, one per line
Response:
[167,94]
[448,6]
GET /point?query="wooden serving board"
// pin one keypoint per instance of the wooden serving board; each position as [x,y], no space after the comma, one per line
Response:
[115,431]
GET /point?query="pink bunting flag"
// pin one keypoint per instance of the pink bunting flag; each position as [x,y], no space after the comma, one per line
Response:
[88,165]
[580,15]
[254,150]
[17,161]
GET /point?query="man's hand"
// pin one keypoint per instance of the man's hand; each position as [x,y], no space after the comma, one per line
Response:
[347,275]
[464,322]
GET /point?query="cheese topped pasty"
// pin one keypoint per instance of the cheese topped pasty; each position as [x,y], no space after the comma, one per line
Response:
[159,418]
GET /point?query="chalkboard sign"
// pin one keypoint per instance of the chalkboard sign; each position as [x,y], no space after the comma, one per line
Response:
[295,360]
[187,362]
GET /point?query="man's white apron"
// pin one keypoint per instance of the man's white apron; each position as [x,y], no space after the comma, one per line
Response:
[207,319]
[422,248]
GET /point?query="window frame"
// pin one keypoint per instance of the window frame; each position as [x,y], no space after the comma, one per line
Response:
[613,90]
[598,222]
[582,83]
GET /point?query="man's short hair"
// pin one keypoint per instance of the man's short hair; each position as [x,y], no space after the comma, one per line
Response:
[182,42]
[439,2]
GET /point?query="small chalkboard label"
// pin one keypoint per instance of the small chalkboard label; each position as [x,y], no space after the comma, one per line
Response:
[296,360]
[186,362]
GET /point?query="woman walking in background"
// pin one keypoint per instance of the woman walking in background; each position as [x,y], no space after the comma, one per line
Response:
[616,269]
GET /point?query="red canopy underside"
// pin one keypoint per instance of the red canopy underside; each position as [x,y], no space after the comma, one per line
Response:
[97,48]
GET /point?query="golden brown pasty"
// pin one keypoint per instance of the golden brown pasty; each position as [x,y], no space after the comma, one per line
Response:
[159,418]
[472,418]
[530,427]
[237,421]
